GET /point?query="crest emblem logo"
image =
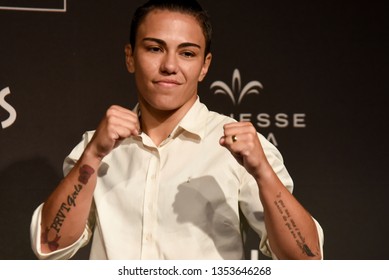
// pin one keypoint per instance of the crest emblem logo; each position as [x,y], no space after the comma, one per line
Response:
[236,92]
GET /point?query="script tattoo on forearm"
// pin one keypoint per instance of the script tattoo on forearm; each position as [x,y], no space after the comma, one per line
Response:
[54,230]
[291,225]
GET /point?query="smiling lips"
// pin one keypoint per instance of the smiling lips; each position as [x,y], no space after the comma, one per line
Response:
[167,82]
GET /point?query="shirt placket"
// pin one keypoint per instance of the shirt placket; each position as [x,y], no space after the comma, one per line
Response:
[150,208]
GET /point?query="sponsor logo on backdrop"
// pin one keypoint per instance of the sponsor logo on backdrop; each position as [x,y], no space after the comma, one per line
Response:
[6,106]
[237,92]
[34,6]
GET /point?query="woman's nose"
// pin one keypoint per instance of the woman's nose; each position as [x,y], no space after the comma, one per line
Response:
[169,63]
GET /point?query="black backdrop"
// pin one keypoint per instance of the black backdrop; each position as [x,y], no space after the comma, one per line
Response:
[323,68]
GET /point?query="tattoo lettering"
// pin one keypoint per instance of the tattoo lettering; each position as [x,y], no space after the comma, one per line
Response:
[291,225]
[72,197]
[60,217]
[53,231]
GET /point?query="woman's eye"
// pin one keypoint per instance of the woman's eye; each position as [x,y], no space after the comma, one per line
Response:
[154,49]
[188,54]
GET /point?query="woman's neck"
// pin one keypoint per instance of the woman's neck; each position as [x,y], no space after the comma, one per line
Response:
[158,124]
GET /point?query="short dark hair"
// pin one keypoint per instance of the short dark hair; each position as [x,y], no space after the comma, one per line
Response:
[191,7]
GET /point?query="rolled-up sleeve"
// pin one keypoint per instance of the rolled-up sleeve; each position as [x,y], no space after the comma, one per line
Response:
[61,254]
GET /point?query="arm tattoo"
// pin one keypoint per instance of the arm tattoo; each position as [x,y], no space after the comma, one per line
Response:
[291,225]
[85,173]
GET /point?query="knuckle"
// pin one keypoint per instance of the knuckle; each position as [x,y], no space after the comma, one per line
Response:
[112,109]
[252,129]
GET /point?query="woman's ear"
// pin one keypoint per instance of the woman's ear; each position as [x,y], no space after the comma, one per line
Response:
[129,58]
[204,69]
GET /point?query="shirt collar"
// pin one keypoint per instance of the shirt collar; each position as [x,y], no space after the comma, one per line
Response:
[193,122]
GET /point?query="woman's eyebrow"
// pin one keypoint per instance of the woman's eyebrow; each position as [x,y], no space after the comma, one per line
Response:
[163,43]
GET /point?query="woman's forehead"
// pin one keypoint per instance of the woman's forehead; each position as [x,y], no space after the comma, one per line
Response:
[171,24]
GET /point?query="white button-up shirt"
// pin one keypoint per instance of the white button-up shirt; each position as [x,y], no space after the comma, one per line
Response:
[179,200]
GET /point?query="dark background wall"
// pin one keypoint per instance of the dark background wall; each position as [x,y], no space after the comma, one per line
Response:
[323,66]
